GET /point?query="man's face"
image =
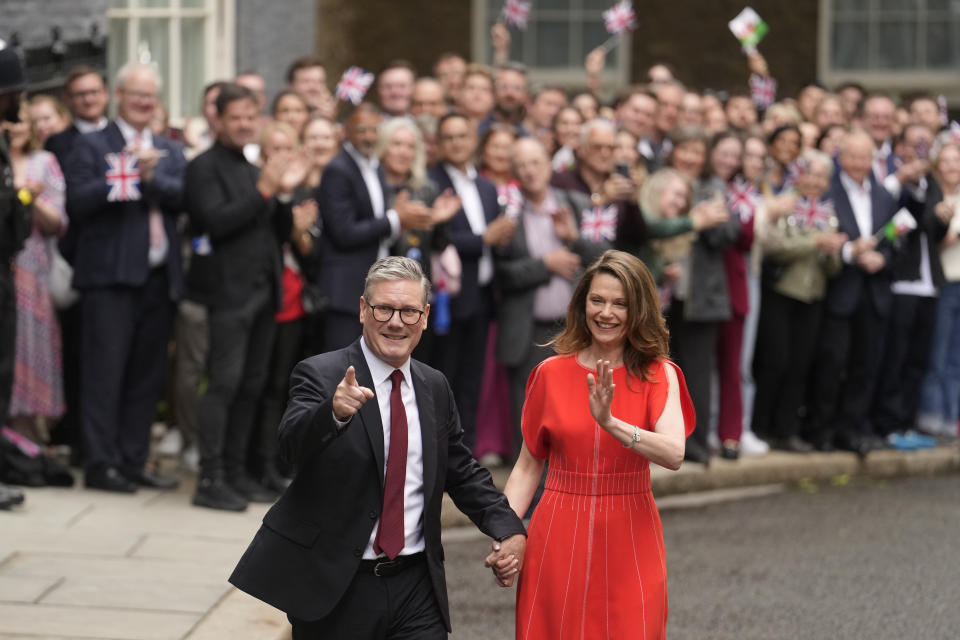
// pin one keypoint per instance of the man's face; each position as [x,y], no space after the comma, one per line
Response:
[458,141]
[476,97]
[546,107]
[856,158]
[669,102]
[395,87]
[691,111]
[808,100]
[916,136]
[925,112]
[238,124]
[256,84]
[311,83]
[740,112]
[851,97]
[878,119]
[428,98]
[637,114]
[87,97]
[362,130]
[532,167]
[137,98]
[450,73]
[599,153]
[393,340]
[510,91]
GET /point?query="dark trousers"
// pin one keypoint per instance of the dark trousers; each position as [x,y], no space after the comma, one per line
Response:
[190,367]
[906,354]
[241,341]
[287,351]
[400,607]
[844,372]
[8,336]
[340,329]
[787,333]
[459,354]
[543,332]
[126,331]
[67,430]
[729,347]
[693,346]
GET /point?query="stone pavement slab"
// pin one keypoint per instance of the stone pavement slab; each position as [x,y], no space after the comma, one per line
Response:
[93,622]
[135,593]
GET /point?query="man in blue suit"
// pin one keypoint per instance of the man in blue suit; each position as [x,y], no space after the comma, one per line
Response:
[474,230]
[858,302]
[124,189]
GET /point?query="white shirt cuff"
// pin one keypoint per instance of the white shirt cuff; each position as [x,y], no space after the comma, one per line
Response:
[846,252]
[341,424]
[394,219]
[892,185]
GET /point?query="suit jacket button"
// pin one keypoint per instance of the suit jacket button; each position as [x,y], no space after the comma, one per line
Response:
[357,553]
[373,515]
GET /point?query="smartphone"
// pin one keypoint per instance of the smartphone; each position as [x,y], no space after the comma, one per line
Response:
[622,169]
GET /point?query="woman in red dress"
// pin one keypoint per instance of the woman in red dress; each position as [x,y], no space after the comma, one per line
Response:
[600,411]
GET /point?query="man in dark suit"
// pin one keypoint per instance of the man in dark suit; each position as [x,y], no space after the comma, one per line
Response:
[85,95]
[357,226]
[242,215]
[857,303]
[128,268]
[352,549]
[474,230]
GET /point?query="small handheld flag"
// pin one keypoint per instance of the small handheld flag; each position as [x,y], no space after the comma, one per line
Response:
[763,90]
[811,213]
[749,29]
[618,19]
[123,177]
[599,223]
[516,13]
[742,198]
[353,85]
[901,224]
[955,131]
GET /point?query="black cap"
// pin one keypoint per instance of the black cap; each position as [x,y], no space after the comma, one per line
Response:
[12,77]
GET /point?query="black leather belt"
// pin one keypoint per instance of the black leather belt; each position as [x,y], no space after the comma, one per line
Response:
[383,568]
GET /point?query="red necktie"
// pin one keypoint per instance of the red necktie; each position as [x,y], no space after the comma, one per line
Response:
[390,536]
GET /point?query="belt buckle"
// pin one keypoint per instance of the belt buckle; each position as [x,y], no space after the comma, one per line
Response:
[389,564]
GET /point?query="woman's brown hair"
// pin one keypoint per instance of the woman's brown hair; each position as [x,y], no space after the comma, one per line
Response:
[647,335]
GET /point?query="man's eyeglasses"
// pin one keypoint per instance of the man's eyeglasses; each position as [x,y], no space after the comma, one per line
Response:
[408,315]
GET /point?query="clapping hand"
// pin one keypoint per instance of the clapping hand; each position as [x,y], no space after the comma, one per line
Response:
[565,225]
[506,559]
[304,215]
[601,389]
[349,396]
[445,206]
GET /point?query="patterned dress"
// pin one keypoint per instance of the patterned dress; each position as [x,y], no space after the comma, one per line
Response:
[595,565]
[38,378]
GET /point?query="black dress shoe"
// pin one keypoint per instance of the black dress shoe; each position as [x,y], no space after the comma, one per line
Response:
[695,453]
[214,493]
[793,444]
[153,480]
[252,490]
[854,443]
[730,450]
[109,480]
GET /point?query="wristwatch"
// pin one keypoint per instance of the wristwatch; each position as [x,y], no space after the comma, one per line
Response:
[634,439]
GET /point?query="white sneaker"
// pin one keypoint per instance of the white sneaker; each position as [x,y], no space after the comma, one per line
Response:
[190,459]
[751,445]
[171,444]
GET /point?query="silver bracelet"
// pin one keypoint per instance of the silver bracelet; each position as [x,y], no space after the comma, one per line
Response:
[634,439]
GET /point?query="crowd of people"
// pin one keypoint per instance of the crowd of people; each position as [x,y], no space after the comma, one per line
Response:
[805,253]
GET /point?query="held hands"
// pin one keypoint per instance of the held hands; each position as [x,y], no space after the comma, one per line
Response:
[499,233]
[862,245]
[445,206]
[565,225]
[349,396]
[413,214]
[506,559]
[871,261]
[616,187]
[830,243]
[147,160]
[709,214]
[562,262]
[601,393]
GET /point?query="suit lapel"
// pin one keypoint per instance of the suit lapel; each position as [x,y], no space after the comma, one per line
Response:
[370,411]
[844,210]
[428,427]
[878,210]
[360,185]
[114,138]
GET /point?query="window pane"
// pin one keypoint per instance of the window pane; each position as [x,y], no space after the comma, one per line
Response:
[595,34]
[550,5]
[155,39]
[599,5]
[940,5]
[898,45]
[849,45]
[552,40]
[192,64]
[910,5]
[155,4]
[119,4]
[116,46]
[943,45]
[850,5]
[193,4]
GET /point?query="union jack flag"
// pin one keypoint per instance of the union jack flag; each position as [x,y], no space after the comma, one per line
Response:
[955,131]
[510,199]
[599,223]
[763,90]
[353,85]
[742,198]
[813,214]
[619,18]
[123,177]
[516,12]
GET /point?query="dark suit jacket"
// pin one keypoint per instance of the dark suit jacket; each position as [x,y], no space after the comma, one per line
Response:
[245,230]
[844,291]
[471,299]
[311,542]
[351,233]
[61,144]
[519,275]
[113,238]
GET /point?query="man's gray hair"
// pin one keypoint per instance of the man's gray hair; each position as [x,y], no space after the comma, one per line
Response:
[597,123]
[394,268]
[120,80]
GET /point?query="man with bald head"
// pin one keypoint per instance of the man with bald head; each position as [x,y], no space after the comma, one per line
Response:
[428,97]
[857,303]
[127,265]
[395,88]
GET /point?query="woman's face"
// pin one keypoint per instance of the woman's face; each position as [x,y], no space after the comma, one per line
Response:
[786,147]
[725,158]
[320,141]
[754,155]
[496,153]
[476,97]
[626,151]
[400,151]
[831,143]
[568,127]
[689,157]
[586,105]
[293,111]
[673,199]
[278,142]
[948,167]
[46,120]
[607,311]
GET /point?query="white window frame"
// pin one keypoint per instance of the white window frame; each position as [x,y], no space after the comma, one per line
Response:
[938,81]
[576,76]
[220,41]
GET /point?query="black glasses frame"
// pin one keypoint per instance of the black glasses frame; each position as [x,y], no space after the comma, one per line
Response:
[408,315]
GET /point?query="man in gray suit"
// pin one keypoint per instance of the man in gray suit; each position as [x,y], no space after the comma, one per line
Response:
[537,271]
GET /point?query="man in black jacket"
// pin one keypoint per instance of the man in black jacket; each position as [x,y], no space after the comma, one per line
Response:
[241,215]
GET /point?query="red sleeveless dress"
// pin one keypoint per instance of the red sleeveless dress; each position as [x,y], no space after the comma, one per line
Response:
[594,565]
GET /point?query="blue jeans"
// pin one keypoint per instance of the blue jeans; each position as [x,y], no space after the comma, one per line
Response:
[941,385]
